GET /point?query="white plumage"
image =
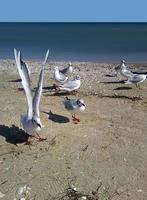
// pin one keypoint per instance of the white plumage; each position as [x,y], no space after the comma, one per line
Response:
[31,120]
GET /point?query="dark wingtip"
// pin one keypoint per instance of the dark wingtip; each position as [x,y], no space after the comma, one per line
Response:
[67,98]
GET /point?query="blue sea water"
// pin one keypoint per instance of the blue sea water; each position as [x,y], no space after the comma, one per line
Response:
[101,42]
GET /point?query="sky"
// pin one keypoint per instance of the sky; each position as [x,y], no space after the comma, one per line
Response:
[73,10]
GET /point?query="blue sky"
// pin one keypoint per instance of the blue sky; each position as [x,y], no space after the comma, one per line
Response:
[73,11]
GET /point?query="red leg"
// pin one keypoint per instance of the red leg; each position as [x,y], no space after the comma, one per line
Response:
[75,119]
[75,92]
[28,142]
[40,139]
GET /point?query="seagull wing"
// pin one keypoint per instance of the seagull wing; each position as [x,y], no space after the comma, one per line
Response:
[70,104]
[69,84]
[38,91]
[62,77]
[129,73]
[137,78]
[64,71]
[23,72]
[25,65]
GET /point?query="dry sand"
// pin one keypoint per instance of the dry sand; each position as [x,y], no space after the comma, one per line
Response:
[108,146]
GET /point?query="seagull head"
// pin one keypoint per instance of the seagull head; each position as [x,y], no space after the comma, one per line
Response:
[56,68]
[69,64]
[36,121]
[123,61]
[80,102]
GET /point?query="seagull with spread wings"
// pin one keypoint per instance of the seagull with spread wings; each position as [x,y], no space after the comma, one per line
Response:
[31,120]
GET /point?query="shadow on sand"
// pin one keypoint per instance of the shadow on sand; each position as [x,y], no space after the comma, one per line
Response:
[123,88]
[56,118]
[113,82]
[15,81]
[13,134]
[134,98]
[52,87]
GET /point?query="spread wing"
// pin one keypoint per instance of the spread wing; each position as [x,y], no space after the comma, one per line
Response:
[26,65]
[38,91]
[23,72]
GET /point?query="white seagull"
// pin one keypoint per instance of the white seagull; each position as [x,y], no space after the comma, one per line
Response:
[121,68]
[31,120]
[71,85]
[58,76]
[74,106]
[68,69]
[136,79]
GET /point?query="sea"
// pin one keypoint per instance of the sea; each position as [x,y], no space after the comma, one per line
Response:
[96,42]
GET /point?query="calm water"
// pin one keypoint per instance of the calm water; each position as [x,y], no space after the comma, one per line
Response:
[102,42]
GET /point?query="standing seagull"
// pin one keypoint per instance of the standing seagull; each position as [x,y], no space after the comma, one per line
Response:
[74,106]
[136,79]
[58,76]
[67,70]
[121,68]
[31,121]
[71,85]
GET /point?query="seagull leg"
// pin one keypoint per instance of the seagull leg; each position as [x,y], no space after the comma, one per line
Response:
[74,92]
[138,86]
[28,142]
[75,119]
[40,139]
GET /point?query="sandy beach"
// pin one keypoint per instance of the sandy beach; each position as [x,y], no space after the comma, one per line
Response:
[103,157]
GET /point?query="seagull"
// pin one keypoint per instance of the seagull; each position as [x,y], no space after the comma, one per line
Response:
[74,106]
[67,70]
[121,68]
[58,76]
[136,79]
[31,120]
[71,85]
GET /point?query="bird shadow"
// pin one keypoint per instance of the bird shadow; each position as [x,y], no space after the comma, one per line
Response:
[123,88]
[13,134]
[113,82]
[56,118]
[140,72]
[61,93]
[20,89]
[110,75]
[132,98]
[52,87]
[15,81]
[56,93]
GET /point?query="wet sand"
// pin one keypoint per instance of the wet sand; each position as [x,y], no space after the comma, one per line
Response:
[108,146]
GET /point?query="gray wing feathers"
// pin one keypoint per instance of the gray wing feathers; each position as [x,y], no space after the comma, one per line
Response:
[23,72]
[38,91]
[69,104]
[136,78]
[64,71]
[62,77]
[69,84]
